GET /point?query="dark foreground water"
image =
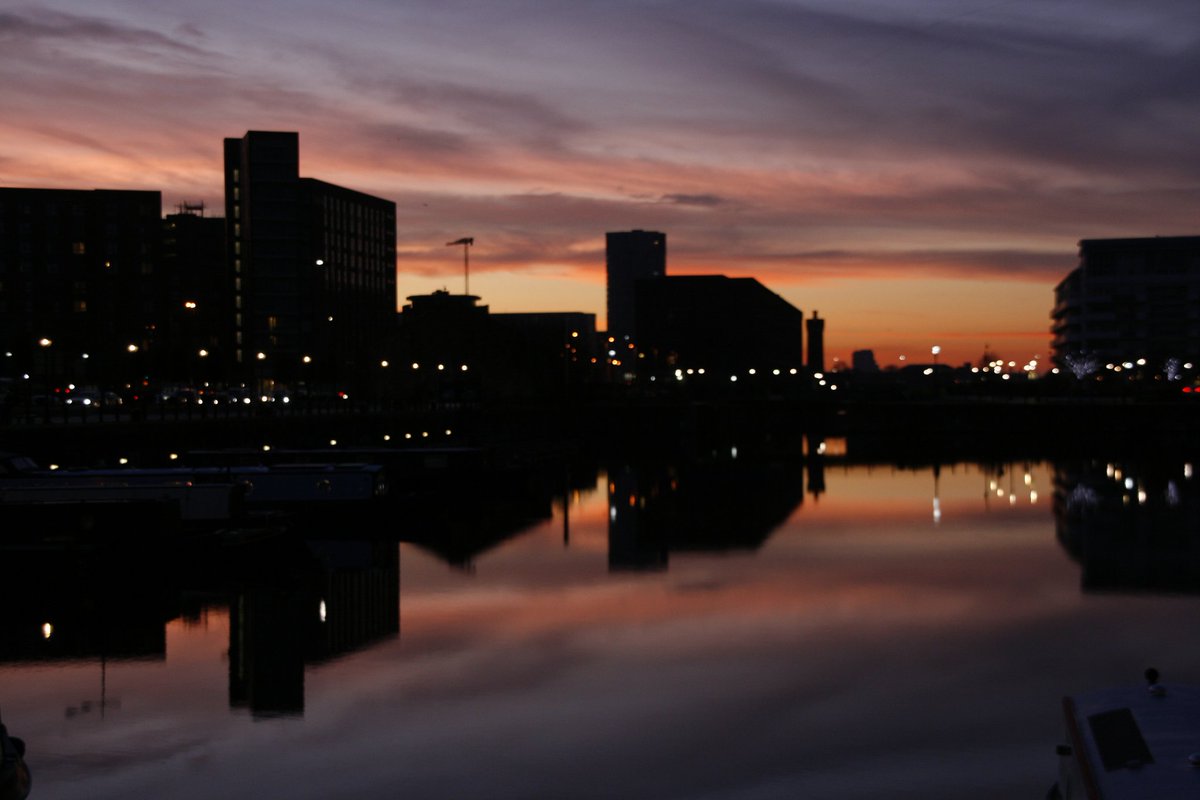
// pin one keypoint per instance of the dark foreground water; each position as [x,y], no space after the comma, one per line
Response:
[720,632]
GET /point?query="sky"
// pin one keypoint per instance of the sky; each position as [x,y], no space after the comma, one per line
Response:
[919,172]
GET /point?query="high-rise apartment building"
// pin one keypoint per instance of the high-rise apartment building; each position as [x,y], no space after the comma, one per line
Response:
[1130,299]
[312,266]
[630,256]
[815,327]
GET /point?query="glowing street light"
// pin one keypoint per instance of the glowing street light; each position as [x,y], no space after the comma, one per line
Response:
[936,349]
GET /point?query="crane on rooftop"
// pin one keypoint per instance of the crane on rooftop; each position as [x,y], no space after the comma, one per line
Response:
[466,243]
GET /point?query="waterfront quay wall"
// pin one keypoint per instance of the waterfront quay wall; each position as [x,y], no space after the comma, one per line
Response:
[1042,426]
[957,427]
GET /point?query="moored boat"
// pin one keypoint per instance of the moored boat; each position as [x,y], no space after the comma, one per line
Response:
[1131,743]
[96,501]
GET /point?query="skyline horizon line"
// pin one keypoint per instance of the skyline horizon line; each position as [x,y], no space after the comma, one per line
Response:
[951,341]
[901,356]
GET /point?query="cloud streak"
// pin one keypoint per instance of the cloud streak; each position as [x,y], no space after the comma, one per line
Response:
[39,24]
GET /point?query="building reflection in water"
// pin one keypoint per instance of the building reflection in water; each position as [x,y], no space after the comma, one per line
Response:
[1132,526]
[82,606]
[292,604]
[461,522]
[816,449]
[294,600]
[722,503]
[308,603]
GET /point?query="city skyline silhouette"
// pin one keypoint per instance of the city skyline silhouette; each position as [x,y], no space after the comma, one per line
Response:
[921,175]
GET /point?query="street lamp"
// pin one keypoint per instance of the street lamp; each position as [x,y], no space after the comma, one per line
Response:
[935,350]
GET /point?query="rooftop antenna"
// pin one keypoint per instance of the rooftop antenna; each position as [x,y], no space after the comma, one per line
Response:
[466,242]
[191,208]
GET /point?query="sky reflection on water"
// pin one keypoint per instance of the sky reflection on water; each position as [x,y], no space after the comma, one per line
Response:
[865,649]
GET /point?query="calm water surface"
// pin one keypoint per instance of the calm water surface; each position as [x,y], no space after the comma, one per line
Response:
[727,631]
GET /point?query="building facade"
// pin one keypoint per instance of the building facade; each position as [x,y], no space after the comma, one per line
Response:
[443,349]
[82,295]
[864,361]
[1128,300]
[312,267]
[716,323]
[549,354]
[199,345]
[450,349]
[630,256]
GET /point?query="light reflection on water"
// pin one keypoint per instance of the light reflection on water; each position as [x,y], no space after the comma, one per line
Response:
[861,631]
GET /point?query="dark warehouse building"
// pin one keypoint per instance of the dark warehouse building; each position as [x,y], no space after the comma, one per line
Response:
[716,323]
